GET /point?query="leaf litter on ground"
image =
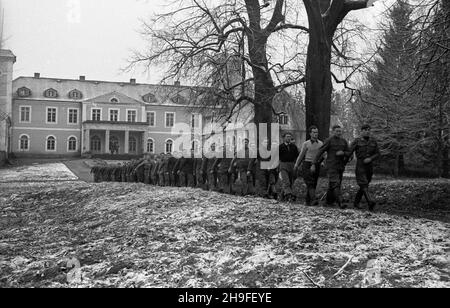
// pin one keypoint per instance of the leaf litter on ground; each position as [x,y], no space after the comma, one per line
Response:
[135,235]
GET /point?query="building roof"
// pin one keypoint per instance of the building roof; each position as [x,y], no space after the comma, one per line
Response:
[7,54]
[164,94]
[106,98]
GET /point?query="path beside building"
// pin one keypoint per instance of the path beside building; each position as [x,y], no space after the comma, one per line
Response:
[80,169]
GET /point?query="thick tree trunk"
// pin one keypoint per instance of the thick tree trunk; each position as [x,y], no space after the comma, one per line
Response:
[318,65]
[263,83]
[318,86]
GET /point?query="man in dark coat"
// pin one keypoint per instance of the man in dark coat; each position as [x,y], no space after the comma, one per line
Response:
[199,172]
[366,150]
[186,171]
[239,168]
[161,169]
[338,153]
[210,165]
[224,175]
[265,176]
[288,153]
[169,175]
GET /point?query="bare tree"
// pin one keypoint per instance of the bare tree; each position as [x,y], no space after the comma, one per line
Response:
[432,75]
[234,47]
[225,47]
[324,18]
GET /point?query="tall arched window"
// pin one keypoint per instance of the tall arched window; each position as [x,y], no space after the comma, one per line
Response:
[132,145]
[96,144]
[24,143]
[51,143]
[150,145]
[72,144]
[169,146]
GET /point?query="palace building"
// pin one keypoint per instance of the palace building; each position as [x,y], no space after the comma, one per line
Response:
[42,117]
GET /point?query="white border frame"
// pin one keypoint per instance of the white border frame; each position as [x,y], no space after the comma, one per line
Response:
[76,145]
[137,113]
[92,113]
[109,114]
[146,116]
[174,118]
[78,115]
[20,113]
[29,143]
[46,144]
[46,115]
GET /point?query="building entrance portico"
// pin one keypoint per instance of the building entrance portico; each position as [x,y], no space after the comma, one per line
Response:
[113,139]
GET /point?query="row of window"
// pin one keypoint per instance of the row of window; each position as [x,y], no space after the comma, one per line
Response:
[51,115]
[50,143]
[96,144]
[96,115]
[168,146]
[77,95]
[50,93]
[114,116]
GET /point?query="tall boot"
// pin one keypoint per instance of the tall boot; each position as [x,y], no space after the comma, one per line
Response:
[370,202]
[308,196]
[330,197]
[312,195]
[338,197]
[358,198]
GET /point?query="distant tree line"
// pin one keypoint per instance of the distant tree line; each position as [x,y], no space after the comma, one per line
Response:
[406,97]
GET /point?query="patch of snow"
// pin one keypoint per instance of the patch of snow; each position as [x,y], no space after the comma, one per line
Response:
[43,172]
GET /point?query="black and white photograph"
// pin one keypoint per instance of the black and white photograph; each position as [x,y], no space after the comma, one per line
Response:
[224,150]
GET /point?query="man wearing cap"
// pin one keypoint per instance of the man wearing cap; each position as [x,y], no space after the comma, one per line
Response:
[366,150]
[305,160]
[288,153]
[337,157]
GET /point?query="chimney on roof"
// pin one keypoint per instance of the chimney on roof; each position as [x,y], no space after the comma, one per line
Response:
[133,81]
[177,83]
[37,75]
[82,78]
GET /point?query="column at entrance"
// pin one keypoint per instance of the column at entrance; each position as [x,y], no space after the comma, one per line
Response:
[87,140]
[127,142]
[107,138]
[145,136]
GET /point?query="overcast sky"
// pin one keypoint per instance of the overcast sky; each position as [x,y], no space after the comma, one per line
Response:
[68,38]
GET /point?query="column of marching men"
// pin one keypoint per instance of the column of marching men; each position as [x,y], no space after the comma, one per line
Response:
[243,175]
